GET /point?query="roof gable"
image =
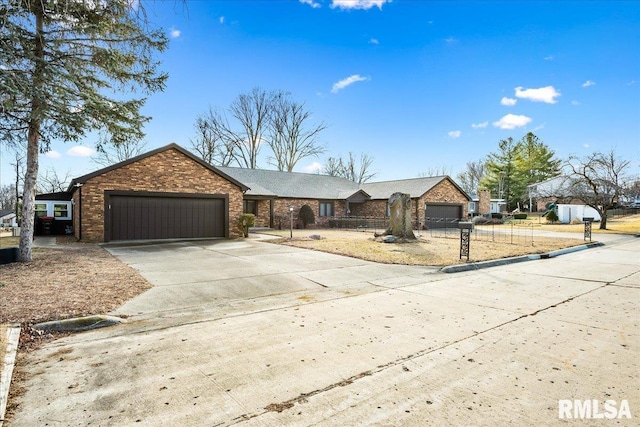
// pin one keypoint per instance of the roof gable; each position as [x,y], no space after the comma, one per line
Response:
[83,179]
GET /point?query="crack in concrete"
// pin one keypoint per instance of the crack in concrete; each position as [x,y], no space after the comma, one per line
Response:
[303,397]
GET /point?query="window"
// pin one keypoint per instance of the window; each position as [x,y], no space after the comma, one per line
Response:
[41,209]
[326,208]
[61,210]
[472,206]
[250,206]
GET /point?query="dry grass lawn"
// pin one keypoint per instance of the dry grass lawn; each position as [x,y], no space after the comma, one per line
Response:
[438,251]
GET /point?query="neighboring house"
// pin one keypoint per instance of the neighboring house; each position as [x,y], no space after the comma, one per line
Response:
[170,193]
[435,200]
[8,218]
[552,190]
[558,190]
[53,205]
[483,204]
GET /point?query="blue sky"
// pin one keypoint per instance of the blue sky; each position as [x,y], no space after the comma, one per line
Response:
[418,85]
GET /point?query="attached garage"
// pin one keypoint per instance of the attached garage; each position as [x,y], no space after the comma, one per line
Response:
[167,193]
[442,215]
[143,216]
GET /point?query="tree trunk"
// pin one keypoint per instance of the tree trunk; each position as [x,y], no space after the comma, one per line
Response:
[33,143]
[603,220]
[400,224]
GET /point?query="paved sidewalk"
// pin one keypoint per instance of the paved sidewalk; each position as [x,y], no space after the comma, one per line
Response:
[250,333]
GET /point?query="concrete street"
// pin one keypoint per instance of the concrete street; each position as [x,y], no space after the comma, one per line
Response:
[254,334]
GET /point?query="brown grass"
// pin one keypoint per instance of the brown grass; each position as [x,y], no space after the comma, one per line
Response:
[60,284]
[431,251]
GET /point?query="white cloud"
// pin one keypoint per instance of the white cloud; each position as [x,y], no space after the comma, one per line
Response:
[549,58]
[546,94]
[588,83]
[512,121]
[174,33]
[575,103]
[348,81]
[314,167]
[455,134]
[480,125]
[358,4]
[80,151]
[221,19]
[632,82]
[374,41]
[53,154]
[586,145]
[451,40]
[509,102]
[311,3]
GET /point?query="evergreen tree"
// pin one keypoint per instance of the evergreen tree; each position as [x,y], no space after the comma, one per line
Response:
[517,165]
[501,171]
[64,66]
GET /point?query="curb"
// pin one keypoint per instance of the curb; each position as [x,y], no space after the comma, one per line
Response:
[13,336]
[504,261]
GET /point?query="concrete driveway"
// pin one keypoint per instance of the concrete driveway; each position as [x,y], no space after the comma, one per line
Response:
[251,333]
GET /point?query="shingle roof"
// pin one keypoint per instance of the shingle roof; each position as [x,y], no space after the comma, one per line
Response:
[264,182]
[415,187]
[5,212]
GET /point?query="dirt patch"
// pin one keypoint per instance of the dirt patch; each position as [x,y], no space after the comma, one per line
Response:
[426,250]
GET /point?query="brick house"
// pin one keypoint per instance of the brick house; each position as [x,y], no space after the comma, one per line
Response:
[436,201]
[171,193]
[165,193]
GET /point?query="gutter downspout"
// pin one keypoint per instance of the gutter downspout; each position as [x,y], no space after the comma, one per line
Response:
[79,187]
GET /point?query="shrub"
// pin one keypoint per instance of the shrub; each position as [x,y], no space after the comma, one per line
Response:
[306,215]
[496,215]
[552,216]
[520,216]
[245,221]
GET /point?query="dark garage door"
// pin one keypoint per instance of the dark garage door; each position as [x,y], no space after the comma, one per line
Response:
[135,217]
[442,215]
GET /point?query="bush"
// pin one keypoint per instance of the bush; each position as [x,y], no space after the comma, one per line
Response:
[552,216]
[520,216]
[306,215]
[496,215]
[245,221]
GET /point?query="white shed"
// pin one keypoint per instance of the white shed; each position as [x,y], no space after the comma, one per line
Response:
[567,213]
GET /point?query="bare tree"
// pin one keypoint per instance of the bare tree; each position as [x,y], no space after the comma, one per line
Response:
[351,169]
[470,178]
[290,139]
[213,141]
[252,110]
[110,153]
[598,180]
[436,171]
[51,182]
[8,197]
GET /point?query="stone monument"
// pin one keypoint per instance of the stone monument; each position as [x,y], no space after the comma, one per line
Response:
[400,217]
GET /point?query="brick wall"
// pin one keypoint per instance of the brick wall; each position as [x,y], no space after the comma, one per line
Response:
[168,171]
[281,211]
